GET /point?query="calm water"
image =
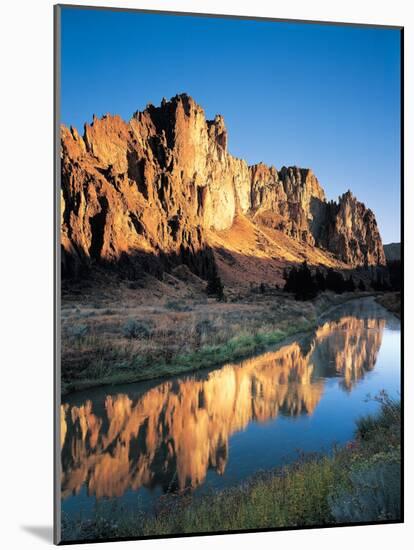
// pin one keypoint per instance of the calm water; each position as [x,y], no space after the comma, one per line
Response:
[130,444]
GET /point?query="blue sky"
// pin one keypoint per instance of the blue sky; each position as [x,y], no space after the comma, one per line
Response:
[318,96]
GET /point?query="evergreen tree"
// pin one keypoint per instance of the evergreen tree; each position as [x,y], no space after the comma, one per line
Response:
[214,285]
[350,284]
[307,288]
[320,280]
[379,283]
[290,276]
[301,283]
[395,274]
[335,281]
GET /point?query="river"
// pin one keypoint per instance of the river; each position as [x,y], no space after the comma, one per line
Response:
[212,429]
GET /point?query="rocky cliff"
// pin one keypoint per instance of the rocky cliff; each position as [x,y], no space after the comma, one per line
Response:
[151,192]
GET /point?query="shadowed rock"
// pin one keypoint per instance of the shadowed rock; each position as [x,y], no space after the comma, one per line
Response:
[163,182]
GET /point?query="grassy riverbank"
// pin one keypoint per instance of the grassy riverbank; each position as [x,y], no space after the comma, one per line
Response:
[357,483]
[116,367]
[102,345]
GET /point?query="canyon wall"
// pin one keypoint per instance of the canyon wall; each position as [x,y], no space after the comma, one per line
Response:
[147,193]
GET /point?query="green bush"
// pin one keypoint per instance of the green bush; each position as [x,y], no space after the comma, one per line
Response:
[385,426]
[175,305]
[78,331]
[375,493]
[136,329]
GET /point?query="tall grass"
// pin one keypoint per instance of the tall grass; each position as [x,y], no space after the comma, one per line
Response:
[111,365]
[374,488]
[375,430]
[156,341]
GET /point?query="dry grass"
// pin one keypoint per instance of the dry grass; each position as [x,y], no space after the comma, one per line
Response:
[178,332]
[250,252]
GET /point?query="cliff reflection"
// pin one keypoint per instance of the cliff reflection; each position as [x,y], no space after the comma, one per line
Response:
[172,434]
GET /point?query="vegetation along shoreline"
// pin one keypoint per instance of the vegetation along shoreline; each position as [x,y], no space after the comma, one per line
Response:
[358,482]
[234,335]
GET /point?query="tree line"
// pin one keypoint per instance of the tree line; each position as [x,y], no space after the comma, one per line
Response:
[305,284]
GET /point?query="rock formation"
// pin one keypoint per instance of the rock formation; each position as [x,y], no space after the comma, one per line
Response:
[149,193]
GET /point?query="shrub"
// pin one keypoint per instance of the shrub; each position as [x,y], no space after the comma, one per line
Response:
[350,284]
[215,287]
[335,281]
[395,274]
[374,494]
[386,422]
[175,305]
[374,489]
[78,331]
[136,329]
[97,369]
[320,280]
[301,282]
[204,326]
[109,311]
[380,281]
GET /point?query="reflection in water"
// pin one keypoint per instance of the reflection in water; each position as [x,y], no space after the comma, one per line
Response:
[172,434]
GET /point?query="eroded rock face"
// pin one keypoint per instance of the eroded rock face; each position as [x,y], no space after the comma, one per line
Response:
[147,193]
[351,232]
[284,200]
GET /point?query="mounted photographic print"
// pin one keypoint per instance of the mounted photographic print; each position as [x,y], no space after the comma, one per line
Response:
[228,274]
